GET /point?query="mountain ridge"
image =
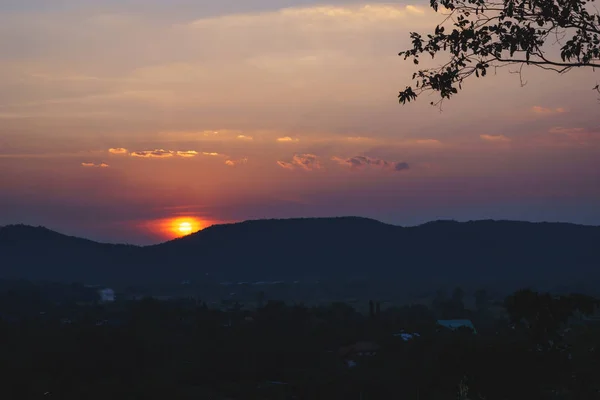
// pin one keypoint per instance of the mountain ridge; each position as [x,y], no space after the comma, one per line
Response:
[350,248]
[437,222]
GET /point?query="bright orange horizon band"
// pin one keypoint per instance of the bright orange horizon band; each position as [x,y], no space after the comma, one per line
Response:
[176,227]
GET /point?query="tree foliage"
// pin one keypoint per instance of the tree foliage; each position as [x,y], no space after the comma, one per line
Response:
[182,349]
[487,34]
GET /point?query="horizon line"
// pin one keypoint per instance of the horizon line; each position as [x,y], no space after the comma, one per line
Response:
[450,220]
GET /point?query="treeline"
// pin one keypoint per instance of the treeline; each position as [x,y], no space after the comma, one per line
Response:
[183,349]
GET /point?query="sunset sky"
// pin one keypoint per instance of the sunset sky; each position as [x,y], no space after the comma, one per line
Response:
[117,117]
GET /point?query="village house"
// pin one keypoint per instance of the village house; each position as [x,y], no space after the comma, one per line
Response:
[454,324]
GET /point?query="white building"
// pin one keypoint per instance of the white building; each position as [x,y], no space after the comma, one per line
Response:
[107,295]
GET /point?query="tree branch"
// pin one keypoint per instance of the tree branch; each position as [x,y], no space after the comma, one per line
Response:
[486,33]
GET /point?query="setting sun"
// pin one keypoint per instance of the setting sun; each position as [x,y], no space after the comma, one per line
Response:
[172,228]
[185,228]
[177,227]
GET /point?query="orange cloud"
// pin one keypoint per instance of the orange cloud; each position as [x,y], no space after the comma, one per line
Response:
[285,165]
[307,162]
[495,138]
[93,165]
[233,163]
[162,153]
[547,111]
[361,162]
[158,153]
[187,154]
[117,150]
[213,154]
[287,139]
[244,137]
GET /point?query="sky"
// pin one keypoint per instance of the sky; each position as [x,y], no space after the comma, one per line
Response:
[118,118]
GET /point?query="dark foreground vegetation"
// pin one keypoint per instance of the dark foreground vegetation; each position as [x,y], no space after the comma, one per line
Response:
[66,344]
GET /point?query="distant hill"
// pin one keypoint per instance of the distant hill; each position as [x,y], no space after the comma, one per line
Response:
[436,253]
[38,253]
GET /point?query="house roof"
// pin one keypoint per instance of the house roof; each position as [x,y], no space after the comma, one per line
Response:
[457,323]
[406,336]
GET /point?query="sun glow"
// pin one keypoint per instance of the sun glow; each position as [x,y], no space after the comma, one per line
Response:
[184,226]
[176,227]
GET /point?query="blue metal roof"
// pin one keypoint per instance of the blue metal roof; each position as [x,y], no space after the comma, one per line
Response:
[457,323]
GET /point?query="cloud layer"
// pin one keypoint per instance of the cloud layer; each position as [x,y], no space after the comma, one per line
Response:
[287,139]
[495,138]
[157,153]
[94,165]
[306,162]
[361,162]
[233,163]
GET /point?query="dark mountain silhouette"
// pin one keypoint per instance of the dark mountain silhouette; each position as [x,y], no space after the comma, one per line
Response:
[38,253]
[436,253]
